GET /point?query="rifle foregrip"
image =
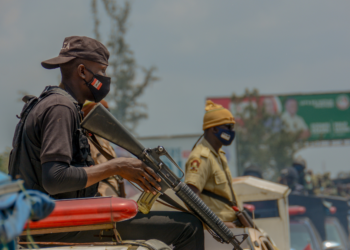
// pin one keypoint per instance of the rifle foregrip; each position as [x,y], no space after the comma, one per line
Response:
[203,211]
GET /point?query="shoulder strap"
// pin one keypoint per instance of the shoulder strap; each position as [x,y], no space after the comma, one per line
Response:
[219,197]
[95,142]
[197,141]
[229,182]
[56,90]
[27,98]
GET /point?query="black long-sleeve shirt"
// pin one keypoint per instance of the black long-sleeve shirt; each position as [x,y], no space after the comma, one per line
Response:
[60,177]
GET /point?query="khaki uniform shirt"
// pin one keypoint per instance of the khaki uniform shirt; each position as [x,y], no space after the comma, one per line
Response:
[98,158]
[206,169]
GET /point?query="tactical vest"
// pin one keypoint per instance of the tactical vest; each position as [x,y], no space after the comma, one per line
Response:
[24,162]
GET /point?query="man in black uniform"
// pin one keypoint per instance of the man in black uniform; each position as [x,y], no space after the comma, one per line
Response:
[53,155]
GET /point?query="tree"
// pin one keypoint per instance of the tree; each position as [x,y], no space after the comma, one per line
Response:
[124,94]
[262,137]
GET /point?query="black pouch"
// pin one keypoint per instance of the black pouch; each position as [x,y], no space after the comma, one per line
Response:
[83,147]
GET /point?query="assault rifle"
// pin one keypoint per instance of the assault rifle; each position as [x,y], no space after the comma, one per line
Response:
[102,123]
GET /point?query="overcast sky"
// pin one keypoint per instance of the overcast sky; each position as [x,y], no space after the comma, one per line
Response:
[201,48]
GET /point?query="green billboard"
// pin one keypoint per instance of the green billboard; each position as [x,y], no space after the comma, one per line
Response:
[317,116]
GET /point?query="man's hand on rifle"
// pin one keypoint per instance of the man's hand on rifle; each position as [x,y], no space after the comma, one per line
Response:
[136,171]
[131,169]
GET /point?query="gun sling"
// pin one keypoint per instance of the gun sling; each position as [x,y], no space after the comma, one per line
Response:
[243,217]
[219,197]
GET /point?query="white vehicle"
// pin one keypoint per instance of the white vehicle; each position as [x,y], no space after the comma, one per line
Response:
[270,201]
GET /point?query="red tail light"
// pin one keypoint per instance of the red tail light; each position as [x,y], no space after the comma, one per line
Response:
[332,210]
[296,210]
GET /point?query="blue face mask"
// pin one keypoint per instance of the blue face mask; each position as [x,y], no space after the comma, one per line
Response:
[226,136]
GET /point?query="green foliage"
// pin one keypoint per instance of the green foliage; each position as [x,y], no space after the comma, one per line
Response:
[124,94]
[4,160]
[262,138]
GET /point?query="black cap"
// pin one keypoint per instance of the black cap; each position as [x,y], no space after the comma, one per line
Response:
[253,170]
[79,47]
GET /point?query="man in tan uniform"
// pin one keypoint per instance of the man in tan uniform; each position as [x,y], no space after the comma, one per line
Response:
[207,171]
[105,189]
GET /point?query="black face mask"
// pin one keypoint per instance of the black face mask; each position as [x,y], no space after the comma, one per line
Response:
[99,86]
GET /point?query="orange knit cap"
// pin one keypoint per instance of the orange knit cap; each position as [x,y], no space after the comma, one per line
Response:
[216,115]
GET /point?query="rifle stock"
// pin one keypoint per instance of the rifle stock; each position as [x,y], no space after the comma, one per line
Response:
[101,122]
